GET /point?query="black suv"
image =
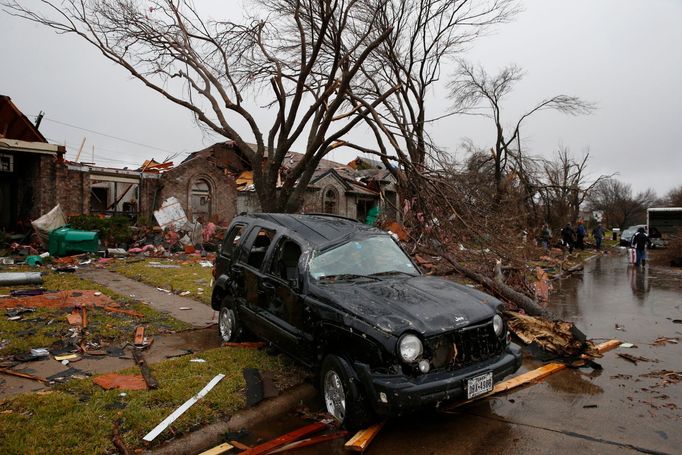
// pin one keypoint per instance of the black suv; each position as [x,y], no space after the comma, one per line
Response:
[344,298]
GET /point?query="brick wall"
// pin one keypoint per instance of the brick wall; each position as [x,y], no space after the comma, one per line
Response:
[179,180]
[73,190]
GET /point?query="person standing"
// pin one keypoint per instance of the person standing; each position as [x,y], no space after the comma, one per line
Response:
[545,237]
[581,232]
[568,236]
[640,241]
[598,234]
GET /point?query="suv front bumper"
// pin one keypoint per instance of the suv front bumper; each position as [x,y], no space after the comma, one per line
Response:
[405,393]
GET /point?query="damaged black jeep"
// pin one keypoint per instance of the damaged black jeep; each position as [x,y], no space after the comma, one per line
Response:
[345,299]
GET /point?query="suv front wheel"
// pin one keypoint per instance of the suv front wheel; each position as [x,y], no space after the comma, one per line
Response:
[342,398]
[228,324]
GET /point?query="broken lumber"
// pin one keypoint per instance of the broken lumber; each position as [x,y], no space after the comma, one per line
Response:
[363,438]
[112,309]
[266,447]
[545,370]
[149,378]
[240,445]
[149,437]
[75,318]
[310,441]
[117,441]
[217,450]
[525,378]
[246,344]
[23,375]
[535,375]
[139,336]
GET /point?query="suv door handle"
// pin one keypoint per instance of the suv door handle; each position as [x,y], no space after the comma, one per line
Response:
[268,286]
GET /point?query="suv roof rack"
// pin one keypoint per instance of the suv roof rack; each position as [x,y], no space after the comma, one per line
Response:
[331,215]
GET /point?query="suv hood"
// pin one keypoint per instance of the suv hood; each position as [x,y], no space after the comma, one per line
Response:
[426,305]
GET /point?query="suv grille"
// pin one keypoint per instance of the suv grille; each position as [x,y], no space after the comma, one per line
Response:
[473,344]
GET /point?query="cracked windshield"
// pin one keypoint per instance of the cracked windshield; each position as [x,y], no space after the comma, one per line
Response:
[373,256]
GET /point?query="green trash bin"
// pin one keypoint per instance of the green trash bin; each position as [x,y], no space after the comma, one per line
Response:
[64,241]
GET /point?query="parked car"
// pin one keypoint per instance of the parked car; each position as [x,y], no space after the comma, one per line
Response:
[345,299]
[626,236]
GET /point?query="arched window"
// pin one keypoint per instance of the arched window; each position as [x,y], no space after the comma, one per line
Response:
[200,199]
[330,199]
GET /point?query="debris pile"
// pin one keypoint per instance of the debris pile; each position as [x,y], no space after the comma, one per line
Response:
[557,337]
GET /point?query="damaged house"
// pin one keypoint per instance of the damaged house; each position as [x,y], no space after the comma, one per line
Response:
[213,184]
[28,165]
[360,189]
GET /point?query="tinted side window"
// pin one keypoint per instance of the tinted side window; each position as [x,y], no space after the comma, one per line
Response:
[285,263]
[260,246]
[232,239]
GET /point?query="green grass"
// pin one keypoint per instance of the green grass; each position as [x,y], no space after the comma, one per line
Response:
[189,277]
[102,325]
[78,417]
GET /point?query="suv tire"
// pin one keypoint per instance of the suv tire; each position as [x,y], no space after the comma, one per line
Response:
[229,328]
[341,396]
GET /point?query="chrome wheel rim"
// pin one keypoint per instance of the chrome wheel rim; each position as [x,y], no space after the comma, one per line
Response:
[334,395]
[226,323]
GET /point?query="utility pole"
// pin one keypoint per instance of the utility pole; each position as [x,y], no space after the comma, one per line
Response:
[41,114]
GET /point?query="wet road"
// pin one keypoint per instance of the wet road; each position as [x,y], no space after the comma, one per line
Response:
[615,410]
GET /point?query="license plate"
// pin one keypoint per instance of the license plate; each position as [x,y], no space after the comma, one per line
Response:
[479,385]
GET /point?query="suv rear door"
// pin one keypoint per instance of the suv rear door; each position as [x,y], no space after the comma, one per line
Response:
[248,271]
[285,306]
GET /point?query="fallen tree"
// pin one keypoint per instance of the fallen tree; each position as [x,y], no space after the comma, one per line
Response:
[497,286]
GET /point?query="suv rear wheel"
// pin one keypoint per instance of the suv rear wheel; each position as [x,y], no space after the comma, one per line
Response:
[228,325]
[343,399]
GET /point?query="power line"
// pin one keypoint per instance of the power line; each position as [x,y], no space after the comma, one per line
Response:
[106,135]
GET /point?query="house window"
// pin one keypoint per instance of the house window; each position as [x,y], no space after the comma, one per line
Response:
[6,163]
[330,201]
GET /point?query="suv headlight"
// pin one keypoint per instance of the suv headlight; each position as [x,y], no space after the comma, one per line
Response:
[410,347]
[498,325]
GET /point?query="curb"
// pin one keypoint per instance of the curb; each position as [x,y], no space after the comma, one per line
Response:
[211,435]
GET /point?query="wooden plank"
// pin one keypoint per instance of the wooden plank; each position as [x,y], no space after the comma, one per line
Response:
[363,438]
[608,346]
[112,309]
[310,441]
[139,336]
[246,344]
[534,375]
[525,378]
[84,317]
[285,439]
[544,371]
[217,450]
[149,378]
[240,445]
[75,318]
[23,375]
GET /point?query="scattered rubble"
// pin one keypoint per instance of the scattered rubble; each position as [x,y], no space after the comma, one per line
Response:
[120,381]
[560,338]
[634,359]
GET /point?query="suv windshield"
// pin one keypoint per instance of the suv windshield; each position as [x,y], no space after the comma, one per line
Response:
[372,256]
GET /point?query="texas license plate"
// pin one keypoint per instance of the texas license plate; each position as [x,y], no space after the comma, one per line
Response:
[479,385]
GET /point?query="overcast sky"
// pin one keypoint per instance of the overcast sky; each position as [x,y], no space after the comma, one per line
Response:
[623,55]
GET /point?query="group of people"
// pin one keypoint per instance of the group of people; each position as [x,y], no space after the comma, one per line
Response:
[573,238]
